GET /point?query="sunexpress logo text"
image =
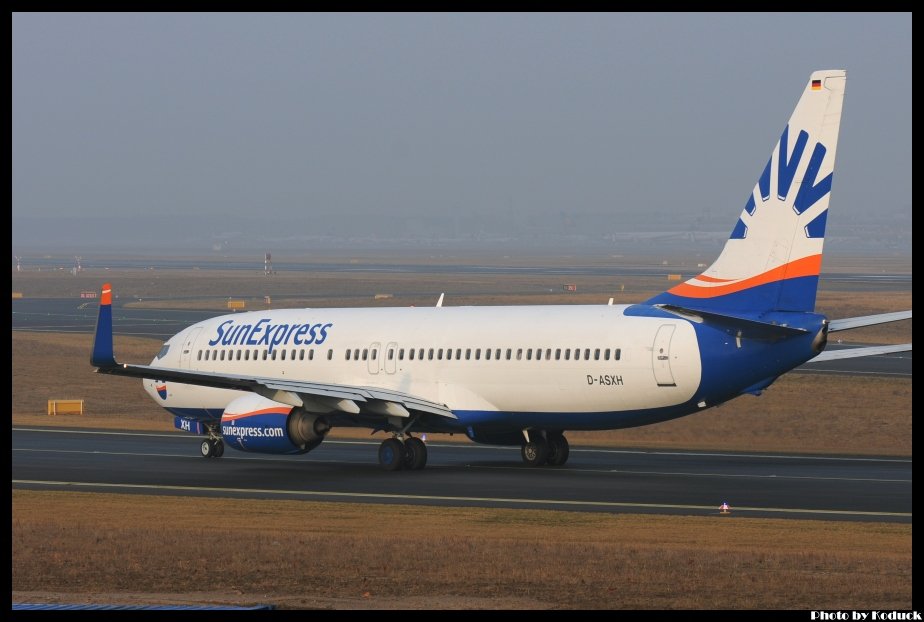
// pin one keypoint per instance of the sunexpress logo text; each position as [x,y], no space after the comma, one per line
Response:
[265,333]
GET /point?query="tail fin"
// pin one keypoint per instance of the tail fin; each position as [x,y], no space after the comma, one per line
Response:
[772,260]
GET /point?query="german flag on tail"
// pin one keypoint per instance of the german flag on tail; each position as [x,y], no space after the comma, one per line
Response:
[816,85]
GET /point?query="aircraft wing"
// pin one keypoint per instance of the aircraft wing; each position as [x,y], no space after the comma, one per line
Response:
[344,398]
[867,320]
[849,353]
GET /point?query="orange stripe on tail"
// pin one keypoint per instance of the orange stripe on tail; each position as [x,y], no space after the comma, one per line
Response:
[807,266]
[106,295]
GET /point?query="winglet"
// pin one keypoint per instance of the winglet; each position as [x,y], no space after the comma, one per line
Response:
[439,303]
[102,354]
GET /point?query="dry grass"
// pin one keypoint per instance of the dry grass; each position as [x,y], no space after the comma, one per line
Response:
[800,413]
[309,554]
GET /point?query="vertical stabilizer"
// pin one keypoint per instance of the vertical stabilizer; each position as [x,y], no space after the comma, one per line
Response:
[772,260]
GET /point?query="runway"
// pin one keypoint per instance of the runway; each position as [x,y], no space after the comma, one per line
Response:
[463,474]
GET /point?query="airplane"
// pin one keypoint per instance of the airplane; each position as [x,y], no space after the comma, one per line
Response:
[278,381]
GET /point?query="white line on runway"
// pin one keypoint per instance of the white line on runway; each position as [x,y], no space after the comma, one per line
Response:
[470,466]
[418,498]
[643,452]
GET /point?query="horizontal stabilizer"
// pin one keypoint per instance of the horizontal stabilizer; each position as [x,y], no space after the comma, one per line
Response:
[867,320]
[748,328]
[850,353]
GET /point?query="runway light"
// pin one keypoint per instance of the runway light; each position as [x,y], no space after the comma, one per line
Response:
[423,437]
[724,508]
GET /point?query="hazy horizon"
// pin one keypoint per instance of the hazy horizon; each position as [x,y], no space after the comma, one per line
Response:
[244,133]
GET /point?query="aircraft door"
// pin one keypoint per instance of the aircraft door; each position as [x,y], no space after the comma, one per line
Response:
[189,344]
[391,357]
[661,356]
[373,360]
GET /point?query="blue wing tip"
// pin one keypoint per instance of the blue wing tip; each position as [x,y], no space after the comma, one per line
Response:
[102,354]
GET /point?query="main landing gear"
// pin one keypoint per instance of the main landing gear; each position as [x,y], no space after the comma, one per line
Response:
[544,448]
[213,446]
[409,453]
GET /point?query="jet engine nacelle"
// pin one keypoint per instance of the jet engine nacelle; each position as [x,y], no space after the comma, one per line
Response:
[254,423]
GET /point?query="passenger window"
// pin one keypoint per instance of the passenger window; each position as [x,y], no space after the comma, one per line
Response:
[411,353]
[365,354]
[310,355]
[330,354]
[430,354]
[391,354]
[348,355]
[222,355]
[375,354]
[529,354]
[199,357]
[567,354]
[439,354]
[497,354]
[246,355]
[274,354]
[587,354]
[577,354]
[616,354]
[487,354]
[301,355]
[597,354]
[420,354]
[557,354]
[282,354]
[519,353]
[548,354]
[448,354]
[468,354]
[401,354]
[606,354]
[264,355]
[477,354]
[458,354]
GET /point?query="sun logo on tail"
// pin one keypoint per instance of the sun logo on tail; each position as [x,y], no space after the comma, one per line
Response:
[761,204]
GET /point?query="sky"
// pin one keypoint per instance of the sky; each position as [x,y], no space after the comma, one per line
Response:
[222,132]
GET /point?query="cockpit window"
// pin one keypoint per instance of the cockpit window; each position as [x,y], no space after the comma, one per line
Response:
[163,351]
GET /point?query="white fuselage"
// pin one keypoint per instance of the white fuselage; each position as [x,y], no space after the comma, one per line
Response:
[541,359]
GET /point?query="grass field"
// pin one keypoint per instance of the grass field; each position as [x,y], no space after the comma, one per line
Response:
[102,548]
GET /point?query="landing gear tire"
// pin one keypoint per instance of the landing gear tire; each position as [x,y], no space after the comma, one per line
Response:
[536,452]
[391,454]
[558,449]
[211,448]
[415,457]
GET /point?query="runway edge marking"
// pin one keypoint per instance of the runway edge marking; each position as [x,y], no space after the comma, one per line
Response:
[369,495]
